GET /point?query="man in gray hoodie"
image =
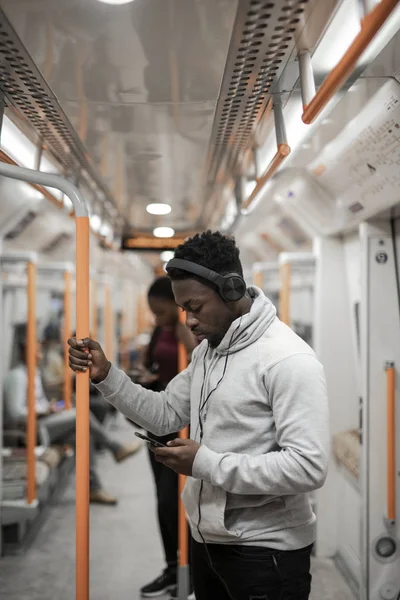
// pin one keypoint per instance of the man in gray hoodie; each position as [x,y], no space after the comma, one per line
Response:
[256,401]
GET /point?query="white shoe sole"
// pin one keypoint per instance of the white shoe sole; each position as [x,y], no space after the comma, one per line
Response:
[190,597]
[167,590]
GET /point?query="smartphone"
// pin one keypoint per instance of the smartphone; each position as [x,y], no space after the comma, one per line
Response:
[152,442]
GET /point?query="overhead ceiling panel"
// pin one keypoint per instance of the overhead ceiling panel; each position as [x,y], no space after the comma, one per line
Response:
[26,89]
[260,48]
[261,65]
[139,82]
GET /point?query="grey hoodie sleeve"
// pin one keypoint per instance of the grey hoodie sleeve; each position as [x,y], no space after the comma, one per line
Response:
[159,412]
[297,394]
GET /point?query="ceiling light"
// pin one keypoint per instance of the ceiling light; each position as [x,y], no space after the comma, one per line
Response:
[17,145]
[48,167]
[95,222]
[68,204]
[33,193]
[344,27]
[163,232]
[115,1]
[158,209]
[166,256]
[105,230]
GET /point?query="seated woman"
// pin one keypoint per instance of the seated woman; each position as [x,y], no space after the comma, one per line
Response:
[52,364]
[60,425]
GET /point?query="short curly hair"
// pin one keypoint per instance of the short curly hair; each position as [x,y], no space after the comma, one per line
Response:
[208,249]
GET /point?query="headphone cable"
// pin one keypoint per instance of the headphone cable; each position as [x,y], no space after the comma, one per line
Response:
[201,406]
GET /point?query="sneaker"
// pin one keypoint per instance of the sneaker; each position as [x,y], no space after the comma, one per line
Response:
[125,452]
[101,497]
[166,582]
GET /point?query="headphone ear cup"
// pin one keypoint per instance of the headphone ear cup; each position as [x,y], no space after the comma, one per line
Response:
[233,288]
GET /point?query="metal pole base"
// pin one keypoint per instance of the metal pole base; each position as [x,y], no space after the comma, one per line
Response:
[183,582]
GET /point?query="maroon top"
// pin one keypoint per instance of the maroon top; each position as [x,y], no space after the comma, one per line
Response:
[165,355]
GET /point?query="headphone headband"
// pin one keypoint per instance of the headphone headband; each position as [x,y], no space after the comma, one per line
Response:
[231,287]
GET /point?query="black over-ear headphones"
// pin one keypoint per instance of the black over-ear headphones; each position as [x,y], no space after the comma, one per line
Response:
[231,287]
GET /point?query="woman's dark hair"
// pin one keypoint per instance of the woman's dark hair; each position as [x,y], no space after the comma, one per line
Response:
[161,288]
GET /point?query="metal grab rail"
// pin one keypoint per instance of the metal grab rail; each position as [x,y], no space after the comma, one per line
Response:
[183,536]
[370,25]
[391,441]
[282,153]
[82,379]
[284,294]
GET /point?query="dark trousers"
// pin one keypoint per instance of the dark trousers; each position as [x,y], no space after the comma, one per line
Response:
[250,573]
[166,481]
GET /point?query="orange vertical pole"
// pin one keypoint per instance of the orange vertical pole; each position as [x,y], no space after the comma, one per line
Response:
[82,378]
[391,441]
[31,368]
[258,279]
[183,537]
[94,327]
[82,413]
[140,315]
[67,334]
[284,295]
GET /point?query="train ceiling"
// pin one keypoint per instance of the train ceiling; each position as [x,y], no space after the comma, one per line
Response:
[154,101]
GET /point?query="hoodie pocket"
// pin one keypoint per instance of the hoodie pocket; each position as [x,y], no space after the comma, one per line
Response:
[248,515]
[212,509]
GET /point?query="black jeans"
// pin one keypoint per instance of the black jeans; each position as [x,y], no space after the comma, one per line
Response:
[250,573]
[166,481]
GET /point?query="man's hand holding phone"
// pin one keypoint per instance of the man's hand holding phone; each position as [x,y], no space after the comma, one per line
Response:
[178,455]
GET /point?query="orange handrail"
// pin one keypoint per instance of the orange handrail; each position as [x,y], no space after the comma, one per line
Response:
[391,441]
[140,315]
[82,378]
[258,279]
[183,537]
[282,153]
[31,349]
[67,334]
[284,294]
[370,25]
[82,413]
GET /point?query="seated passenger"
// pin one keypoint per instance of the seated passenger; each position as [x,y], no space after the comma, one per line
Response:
[53,374]
[60,426]
[53,363]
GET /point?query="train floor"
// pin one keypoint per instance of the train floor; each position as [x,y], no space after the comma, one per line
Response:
[125,546]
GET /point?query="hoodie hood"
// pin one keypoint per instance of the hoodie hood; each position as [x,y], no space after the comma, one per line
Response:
[248,328]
